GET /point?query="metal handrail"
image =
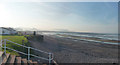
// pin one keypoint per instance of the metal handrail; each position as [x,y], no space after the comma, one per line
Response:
[16,43]
[39,57]
[39,50]
[49,54]
[16,51]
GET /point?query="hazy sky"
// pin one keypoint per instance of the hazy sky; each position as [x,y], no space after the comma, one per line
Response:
[100,17]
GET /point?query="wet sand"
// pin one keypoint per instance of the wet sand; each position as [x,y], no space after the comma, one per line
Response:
[91,38]
[69,51]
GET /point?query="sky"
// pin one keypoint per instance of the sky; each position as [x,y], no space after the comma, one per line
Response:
[99,17]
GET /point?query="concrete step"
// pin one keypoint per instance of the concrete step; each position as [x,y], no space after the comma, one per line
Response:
[18,61]
[24,62]
[35,63]
[44,64]
[30,62]
[12,59]
[8,59]
[5,58]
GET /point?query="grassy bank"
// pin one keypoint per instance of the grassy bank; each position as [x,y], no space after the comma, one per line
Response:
[17,39]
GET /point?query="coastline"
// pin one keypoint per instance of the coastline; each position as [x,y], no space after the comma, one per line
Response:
[93,39]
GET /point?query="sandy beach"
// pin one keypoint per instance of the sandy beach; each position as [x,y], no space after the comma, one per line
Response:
[71,51]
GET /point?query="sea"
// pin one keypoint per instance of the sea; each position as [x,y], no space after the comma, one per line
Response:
[77,36]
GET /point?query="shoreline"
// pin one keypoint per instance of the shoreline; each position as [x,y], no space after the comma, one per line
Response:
[91,39]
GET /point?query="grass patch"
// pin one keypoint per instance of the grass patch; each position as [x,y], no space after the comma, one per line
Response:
[17,39]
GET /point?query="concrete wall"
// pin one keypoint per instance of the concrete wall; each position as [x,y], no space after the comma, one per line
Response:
[37,38]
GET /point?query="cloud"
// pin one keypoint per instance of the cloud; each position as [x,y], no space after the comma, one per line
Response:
[25,29]
[63,30]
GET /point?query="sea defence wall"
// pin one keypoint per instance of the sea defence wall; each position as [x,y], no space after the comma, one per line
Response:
[39,38]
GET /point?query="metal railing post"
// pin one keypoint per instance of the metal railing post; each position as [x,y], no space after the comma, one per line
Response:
[5,46]
[50,58]
[28,53]
[50,55]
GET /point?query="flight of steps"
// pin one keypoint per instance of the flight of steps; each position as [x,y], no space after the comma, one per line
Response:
[8,59]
